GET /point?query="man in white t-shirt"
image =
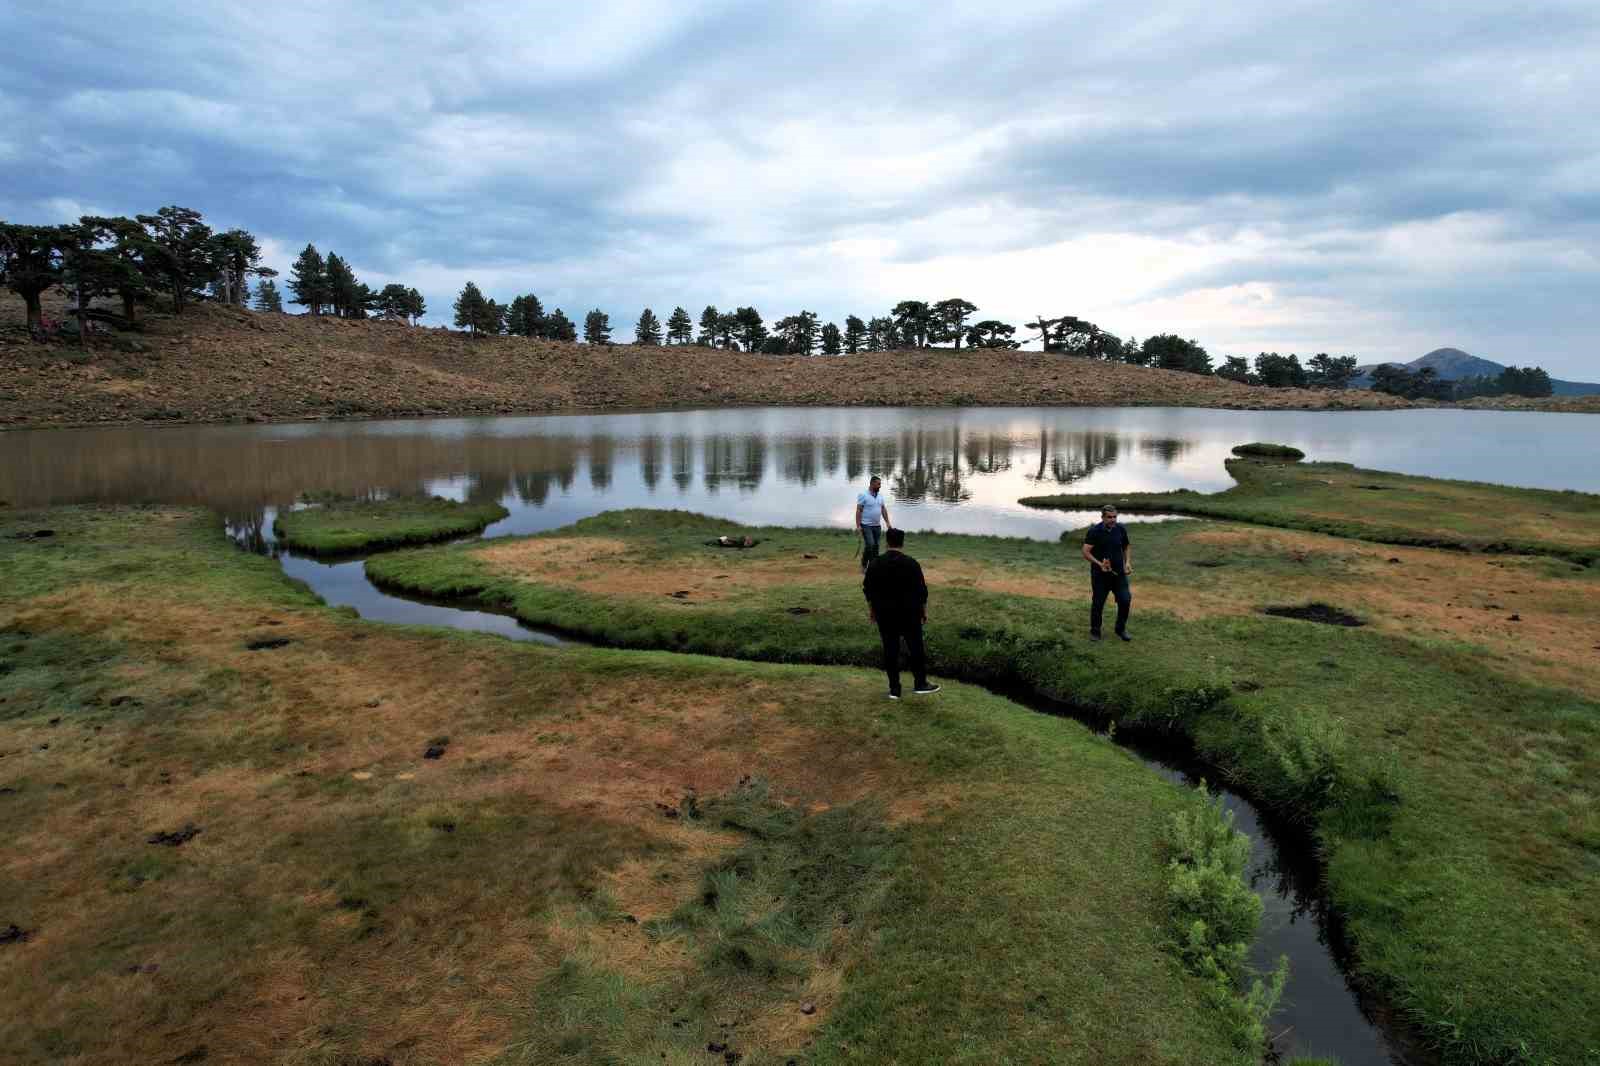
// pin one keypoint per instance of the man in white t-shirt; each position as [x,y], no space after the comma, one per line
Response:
[872,518]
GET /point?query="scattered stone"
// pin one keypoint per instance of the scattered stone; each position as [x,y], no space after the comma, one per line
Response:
[362,775]
[373,702]
[434,751]
[666,811]
[12,934]
[807,555]
[1514,618]
[1393,559]
[267,643]
[808,1008]
[177,838]
[716,1048]
[680,594]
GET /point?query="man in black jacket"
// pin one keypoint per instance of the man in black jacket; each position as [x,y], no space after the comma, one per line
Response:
[1110,555]
[897,599]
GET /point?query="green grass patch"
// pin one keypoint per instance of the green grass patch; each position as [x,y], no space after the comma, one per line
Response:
[1263,450]
[1347,501]
[958,881]
[1455,801]
[334,526]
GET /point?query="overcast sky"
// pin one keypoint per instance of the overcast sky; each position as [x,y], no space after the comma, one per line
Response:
[1376,179]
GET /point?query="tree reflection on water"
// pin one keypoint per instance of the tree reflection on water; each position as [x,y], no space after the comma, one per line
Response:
[246,472]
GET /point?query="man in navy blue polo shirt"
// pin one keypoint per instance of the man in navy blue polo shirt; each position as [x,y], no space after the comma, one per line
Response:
[1110,554]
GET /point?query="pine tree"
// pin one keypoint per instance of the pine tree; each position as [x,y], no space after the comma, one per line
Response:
[680,328]
[308,280]
[492,319]
[344,291]
[469,308]
[855,334]
[597,327]
[525,316]
[950,318]
[558,327]
[709,321]
[416,306]
[832,340]
[180,250]
[267,296]
[648,330]
[752,331]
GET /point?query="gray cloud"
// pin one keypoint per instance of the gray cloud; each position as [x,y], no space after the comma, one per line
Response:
[1362,177]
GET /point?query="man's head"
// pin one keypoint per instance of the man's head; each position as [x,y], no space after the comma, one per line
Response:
[896,538]
[875,484]
[1108,515]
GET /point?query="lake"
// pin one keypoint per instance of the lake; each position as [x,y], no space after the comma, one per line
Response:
[955,470]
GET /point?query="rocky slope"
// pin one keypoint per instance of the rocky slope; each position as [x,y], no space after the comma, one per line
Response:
[218,364]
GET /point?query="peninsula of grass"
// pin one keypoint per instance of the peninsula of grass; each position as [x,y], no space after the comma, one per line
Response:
[343,526]
[242,827]
[1445,753]
[1260,450]
[1347,501]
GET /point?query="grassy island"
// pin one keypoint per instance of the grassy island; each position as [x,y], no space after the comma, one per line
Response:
[1446,749]
[243,827]
[1260,450]
[331,527]
[1347,501]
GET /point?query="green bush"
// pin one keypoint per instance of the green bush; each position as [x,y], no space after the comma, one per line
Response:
[1262,450]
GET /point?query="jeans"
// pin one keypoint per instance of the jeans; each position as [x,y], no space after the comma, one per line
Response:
[871,538]
[1114,585]
[893,630]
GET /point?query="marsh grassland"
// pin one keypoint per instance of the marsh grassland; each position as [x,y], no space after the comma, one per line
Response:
[1445,750]
[337,525]
[246,828]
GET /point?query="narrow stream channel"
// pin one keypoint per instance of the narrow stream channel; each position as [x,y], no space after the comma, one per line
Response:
[1322,1012]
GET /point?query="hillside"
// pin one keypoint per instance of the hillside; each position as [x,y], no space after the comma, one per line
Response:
[220,364]
[1453,364]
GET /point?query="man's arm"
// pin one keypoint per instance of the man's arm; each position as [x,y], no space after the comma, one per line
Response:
[886,523]
[858,517]
[1127,558]
[922,592]
[1088,552]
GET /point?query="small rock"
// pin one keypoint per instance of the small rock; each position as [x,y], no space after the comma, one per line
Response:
[808,1008]
[435,751]
[1392,559]
[267,644]
[1514,618]
[716,1048]
[362,775]
[374,702]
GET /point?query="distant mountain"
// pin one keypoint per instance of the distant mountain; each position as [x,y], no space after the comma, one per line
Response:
[1452,364]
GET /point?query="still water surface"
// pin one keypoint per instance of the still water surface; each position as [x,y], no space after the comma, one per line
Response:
[956,470]
[950,470]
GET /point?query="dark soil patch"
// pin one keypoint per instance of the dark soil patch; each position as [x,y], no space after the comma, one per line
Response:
[267,644]
[194,1054]
[13,934]
[178,838]
[1315,612]
[798,610]
[1208,564]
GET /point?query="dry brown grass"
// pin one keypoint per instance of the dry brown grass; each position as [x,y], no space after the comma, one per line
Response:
[256,762]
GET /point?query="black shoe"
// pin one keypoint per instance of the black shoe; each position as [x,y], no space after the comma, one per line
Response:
[1124,636]
[1093,635]
[894,695]
[925,690]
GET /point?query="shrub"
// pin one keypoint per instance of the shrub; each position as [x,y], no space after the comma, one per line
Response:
[1261,450]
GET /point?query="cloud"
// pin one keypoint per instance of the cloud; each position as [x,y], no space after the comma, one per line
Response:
[1373,178]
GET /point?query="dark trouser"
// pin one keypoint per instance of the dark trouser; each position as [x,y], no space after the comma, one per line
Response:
[892,630]
[1114,585]
[871,538]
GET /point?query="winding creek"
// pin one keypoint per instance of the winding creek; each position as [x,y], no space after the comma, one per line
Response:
[950,470]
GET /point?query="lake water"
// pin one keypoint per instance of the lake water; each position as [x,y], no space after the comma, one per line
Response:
[950,470]
[957,470]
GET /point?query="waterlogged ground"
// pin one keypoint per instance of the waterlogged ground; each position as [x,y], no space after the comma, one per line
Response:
[243,827]
[1446,749]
